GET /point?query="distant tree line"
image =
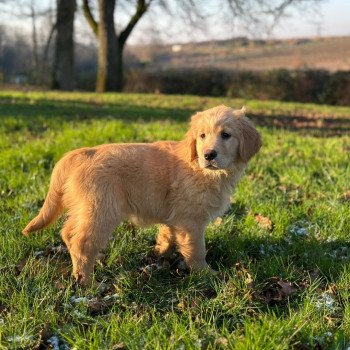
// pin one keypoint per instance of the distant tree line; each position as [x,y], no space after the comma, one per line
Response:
[304,85]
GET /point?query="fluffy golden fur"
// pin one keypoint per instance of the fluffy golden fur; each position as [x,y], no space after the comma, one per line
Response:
[180,185]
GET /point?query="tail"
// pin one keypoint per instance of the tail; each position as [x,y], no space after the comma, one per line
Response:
[52,207]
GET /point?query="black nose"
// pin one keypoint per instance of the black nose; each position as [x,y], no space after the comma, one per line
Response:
[210,155]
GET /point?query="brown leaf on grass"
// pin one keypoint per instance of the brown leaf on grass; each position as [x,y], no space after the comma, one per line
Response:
[44,334]
[282,188]
[310,211]
[120,345]
[35,267]
[286,287]
[346,196]
[308,279]
[264,222]
[97,306]
[243,273]
[20,266]
[251,177]
[59,285]
[332,289]
[2,308]
[221,342]
[100,259]
[276,290]
[218,221]
[209,293]
[314,274]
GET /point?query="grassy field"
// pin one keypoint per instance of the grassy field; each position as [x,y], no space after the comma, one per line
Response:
[283,249]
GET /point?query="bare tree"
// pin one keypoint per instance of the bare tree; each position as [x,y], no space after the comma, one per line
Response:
[63,68]
[34,11]
[112,42]
[35,58]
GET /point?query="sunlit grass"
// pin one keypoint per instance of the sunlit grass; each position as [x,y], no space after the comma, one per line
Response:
[297,181]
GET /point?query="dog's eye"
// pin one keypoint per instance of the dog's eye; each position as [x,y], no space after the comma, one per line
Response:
[225,135]
[202,136]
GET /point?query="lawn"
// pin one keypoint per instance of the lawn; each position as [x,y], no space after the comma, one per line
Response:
[283,249]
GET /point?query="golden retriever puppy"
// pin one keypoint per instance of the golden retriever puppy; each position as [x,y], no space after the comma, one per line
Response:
[180,185]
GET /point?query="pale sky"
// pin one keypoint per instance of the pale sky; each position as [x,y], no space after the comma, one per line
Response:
[332,18]
[334,21]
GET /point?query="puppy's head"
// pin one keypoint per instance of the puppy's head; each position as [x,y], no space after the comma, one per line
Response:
[220,136]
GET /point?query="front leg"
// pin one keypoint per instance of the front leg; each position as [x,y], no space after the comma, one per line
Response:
[165,240]
[191,244]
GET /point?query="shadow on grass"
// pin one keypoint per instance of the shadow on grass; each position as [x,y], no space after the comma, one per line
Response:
[61,111]
[36,117]
[301,260]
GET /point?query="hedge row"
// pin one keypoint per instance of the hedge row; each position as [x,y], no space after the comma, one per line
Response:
[317,86]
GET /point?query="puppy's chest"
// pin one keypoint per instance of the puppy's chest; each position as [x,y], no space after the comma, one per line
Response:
[216,203]
[205,199]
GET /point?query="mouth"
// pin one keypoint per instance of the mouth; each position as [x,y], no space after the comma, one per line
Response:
[211,166]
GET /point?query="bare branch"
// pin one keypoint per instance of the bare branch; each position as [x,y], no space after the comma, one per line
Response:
[48,42]
[141,7]
[89,17]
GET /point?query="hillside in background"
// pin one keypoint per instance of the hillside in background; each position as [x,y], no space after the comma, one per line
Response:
[332,54]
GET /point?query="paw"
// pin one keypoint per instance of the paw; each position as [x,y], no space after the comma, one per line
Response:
[163,250]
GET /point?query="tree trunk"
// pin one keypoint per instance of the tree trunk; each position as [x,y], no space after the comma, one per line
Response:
[35,58]
[64,52]
[110,64]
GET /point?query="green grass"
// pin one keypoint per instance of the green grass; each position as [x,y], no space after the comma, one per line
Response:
[297,181]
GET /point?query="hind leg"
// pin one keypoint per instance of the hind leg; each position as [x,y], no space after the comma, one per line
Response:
[85,238]
[67,231]
[165,240]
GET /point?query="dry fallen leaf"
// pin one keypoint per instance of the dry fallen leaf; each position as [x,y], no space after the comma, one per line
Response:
[275,291]
[346,195]
[244,273]
[251,177]
[286,287]
[222,341]
[314,274]
[20,266]
[218,221]
[263,222]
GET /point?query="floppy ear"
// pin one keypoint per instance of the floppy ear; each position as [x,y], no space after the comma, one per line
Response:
[250,139]
[190,152]
[187,147]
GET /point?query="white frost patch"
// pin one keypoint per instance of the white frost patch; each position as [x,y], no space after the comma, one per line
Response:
[20,338]
[198,344]
[321,339]
[111,297]
[268,249]
[326,301]
[301,229]
[78,300]
[148,269]
[341,253]
[38,253]
[55,342]
[79,314]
